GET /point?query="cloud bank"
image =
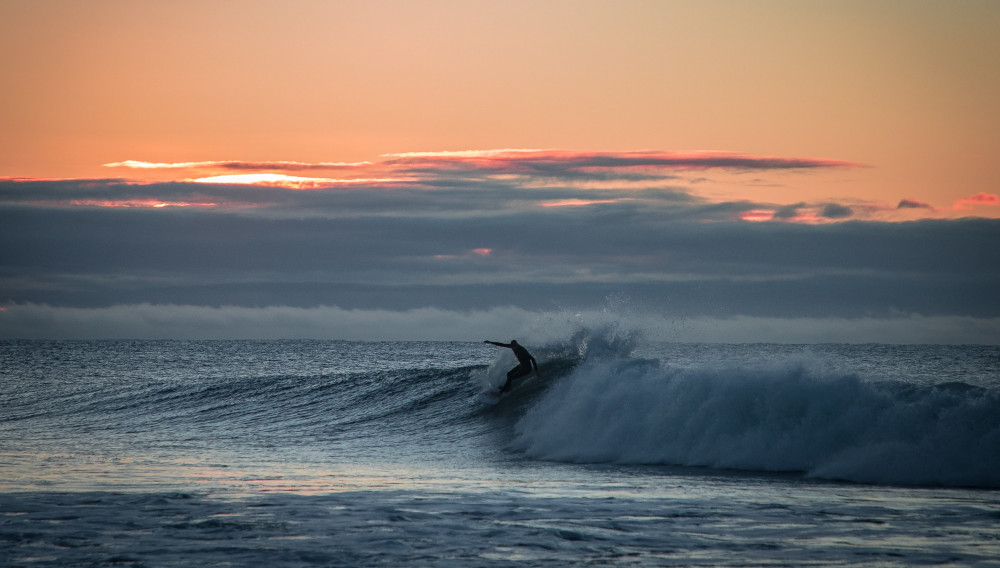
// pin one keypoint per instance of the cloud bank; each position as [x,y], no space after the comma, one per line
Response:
[471,232]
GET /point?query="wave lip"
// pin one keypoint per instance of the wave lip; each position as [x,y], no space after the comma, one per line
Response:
[783,418]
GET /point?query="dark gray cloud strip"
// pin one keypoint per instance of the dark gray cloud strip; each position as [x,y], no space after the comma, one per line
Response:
[480,247]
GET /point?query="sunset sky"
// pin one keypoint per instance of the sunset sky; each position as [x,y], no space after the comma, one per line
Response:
[739,170]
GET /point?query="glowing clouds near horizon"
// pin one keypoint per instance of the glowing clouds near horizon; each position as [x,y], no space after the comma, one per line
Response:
[538,174]
[290,182]
[561,179]
[579,202]
[138,203]
[261,173]
[234,165]
[757,215]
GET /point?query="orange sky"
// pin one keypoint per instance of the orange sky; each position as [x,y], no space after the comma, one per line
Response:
[907,88]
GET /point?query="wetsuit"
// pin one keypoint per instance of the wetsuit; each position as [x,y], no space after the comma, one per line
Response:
[524,359]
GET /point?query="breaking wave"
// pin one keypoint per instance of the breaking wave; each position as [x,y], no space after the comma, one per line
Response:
[783,418]
[596,402]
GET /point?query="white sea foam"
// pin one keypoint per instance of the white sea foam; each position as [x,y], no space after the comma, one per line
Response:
[778,418]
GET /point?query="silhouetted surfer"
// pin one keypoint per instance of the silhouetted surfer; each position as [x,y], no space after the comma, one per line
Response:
[524,359]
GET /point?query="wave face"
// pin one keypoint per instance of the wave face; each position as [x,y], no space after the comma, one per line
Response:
[782,417]
[280,400]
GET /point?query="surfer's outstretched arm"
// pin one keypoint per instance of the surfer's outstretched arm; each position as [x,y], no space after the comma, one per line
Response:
[507,345]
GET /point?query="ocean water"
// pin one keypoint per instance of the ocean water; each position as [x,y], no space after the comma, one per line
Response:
[622,453]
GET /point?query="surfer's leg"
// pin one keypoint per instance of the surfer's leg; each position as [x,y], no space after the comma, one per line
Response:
[512,374]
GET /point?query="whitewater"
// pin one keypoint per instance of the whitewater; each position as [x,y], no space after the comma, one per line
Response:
[623,452]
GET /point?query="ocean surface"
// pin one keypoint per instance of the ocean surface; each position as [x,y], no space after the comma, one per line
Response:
[622,453]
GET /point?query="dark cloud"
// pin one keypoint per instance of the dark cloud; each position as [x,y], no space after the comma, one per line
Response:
[836,211]
[788,211]
[408,248]
[594,166]
[548,160]
[911,204]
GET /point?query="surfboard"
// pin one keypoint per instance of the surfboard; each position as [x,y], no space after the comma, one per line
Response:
[547,371]
[491,396]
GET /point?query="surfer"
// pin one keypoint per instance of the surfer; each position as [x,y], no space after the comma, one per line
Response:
[524,359]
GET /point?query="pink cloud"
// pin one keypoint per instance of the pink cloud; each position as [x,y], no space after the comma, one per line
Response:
[798,214]
[981,198]
[578,202]
[757,215]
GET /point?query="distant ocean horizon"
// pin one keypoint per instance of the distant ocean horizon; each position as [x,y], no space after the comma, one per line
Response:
[622,452]
[166,321]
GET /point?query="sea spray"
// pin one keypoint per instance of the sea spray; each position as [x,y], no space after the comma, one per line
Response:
[564,341]
[782,417]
